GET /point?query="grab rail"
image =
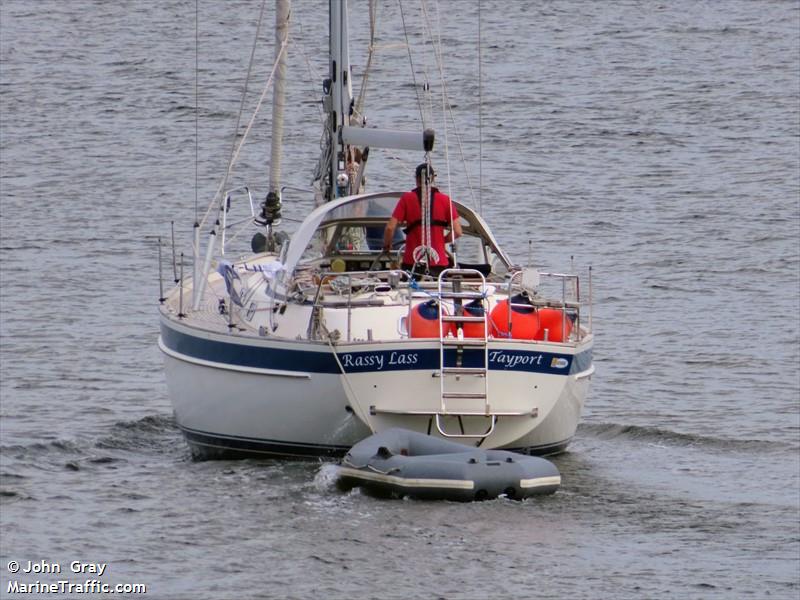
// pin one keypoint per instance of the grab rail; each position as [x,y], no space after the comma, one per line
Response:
[569,304]
[226,205]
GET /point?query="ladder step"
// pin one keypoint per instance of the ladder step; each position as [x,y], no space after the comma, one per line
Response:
[464,342]
[374,410]
[464,395]
[464,371]
[462,319]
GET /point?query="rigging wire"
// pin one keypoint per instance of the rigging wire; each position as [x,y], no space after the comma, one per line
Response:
[196,106]
[449,110]
[411,60]
[313,76]
[426,85]
[244,94]
[437,48]
[373,18]
[247,129]
[480,116]
[234,150]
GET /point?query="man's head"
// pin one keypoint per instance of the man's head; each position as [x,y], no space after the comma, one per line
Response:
[420,173]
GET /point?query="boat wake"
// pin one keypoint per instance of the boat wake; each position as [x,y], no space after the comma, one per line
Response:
[326,477]
[155,433]
[655,435]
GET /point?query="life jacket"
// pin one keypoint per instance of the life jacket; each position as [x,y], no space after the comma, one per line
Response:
[434,222]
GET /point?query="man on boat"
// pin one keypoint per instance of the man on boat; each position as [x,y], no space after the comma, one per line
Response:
[443,216]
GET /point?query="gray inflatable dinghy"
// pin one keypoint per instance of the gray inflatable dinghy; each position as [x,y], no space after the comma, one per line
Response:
[398,462]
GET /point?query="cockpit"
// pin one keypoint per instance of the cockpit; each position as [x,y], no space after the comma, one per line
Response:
[347,236]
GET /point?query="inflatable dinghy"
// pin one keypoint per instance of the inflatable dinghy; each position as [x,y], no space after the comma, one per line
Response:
[398,462]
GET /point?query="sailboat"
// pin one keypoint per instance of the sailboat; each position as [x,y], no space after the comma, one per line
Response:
[314,341]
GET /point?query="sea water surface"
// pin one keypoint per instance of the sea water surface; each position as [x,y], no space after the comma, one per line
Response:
[657,142]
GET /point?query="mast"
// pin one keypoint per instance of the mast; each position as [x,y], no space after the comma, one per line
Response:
[347,143]
[271,209]
[282,10]
[341,97]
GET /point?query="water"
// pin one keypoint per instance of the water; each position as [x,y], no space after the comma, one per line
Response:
[657,143]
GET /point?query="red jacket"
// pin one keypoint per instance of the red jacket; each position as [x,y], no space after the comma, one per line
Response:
[408,210]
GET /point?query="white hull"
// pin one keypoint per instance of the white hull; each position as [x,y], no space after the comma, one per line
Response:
[260,414]
[311,409]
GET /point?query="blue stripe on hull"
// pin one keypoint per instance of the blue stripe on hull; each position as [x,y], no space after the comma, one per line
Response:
[206,445]
[285,359]
[258,357]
